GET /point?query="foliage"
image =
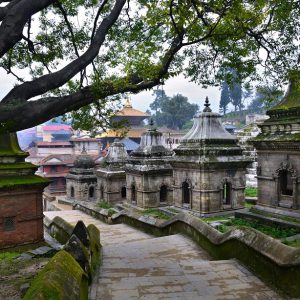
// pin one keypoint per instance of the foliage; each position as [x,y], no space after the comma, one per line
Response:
[251,192]
[275,232]
[104,204]
[225,97]
[295,243]
[156,213]
[84,53]
[265,97]
[172,112]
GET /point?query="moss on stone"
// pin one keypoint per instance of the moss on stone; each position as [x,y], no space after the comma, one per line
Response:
[11,181]
[95,247]
[60,229]
[21,165]
[61,278]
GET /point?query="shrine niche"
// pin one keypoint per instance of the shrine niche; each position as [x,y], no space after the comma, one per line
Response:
[278,148]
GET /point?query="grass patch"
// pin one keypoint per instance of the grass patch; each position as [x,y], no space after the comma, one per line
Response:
[156,213]
[275,232]
[250,192]
[110,212]
[293,243]
[8,255]
[104,204]
[248,205]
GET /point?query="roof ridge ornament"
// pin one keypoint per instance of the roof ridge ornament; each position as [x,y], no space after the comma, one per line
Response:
[207,105]
[128,103]
[83,149]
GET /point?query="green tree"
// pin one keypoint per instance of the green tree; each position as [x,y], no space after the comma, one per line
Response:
[225,97]
[175,112]
[160,96]
[265,97]
[82,54]
[235,92]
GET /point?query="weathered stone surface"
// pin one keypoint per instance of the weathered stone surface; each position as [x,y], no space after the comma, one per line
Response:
[61,279]
[81,232]
[81,254]
[170,267]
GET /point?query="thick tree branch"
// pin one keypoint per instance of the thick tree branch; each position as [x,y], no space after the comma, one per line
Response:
[17,16]
[54,80]
[46,108]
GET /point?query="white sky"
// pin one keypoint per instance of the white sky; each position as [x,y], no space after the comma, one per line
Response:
[180,85]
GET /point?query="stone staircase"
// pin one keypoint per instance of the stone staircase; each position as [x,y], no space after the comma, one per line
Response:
[139,266]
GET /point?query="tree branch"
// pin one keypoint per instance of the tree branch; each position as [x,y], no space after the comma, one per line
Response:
[54,80]
[17,16]
[43,109]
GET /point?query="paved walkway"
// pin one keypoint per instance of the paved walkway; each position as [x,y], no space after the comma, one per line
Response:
[139,266]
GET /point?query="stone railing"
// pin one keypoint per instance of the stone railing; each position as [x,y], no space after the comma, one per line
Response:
[274,262]
[68,274]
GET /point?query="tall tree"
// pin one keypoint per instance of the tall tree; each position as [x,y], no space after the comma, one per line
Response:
[83,53]
[160,97]
[235,92]
[225,97]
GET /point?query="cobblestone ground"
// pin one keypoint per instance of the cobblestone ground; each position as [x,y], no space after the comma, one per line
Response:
[139,266]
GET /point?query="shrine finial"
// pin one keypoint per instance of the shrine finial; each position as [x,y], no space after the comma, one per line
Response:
[207,105]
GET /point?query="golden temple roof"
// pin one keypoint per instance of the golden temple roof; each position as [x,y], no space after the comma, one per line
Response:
[129,111]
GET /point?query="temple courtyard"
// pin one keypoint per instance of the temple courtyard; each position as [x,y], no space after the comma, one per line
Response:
[136,265]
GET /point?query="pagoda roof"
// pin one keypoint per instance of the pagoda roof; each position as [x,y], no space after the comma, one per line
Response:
[129,111]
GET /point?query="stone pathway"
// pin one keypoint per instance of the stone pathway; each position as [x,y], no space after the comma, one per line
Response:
[139,266]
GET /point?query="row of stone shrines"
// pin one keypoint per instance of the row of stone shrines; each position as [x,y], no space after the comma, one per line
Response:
[206,173]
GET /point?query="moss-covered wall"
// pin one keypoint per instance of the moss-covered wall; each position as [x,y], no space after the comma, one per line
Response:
[62,278]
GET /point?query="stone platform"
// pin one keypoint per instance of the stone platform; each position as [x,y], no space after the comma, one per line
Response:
[139,266]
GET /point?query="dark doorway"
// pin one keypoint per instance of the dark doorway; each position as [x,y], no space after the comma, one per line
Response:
[286,183]
[91,192]
[123,192]
[186,193]
[133,193]
[226,193]
[163,193]
[72,192]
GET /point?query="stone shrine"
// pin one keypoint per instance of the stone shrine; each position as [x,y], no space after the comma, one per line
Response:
[278,153]
[209,167]
[149,173]
[21,204]
[111,176]
[81,182]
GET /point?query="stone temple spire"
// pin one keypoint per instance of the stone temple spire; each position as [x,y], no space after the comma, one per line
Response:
[207,105]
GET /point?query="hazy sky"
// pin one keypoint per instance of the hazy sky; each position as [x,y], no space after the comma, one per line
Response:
[180,85]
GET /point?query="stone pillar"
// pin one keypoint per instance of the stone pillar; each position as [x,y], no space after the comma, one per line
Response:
[21,203]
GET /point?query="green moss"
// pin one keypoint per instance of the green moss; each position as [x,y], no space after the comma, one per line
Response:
[8,255]
[11,181]
[95,247]
[22,165]
[104,204]
[9,145]
[292,98]
[156,213]
[61,230]
[295,244]
[61,278]
[250,192]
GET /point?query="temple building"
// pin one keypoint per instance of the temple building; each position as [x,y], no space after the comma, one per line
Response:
[209,167]
[111,177]
[81,182]
[149,173]
[278,148]
[133,124]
